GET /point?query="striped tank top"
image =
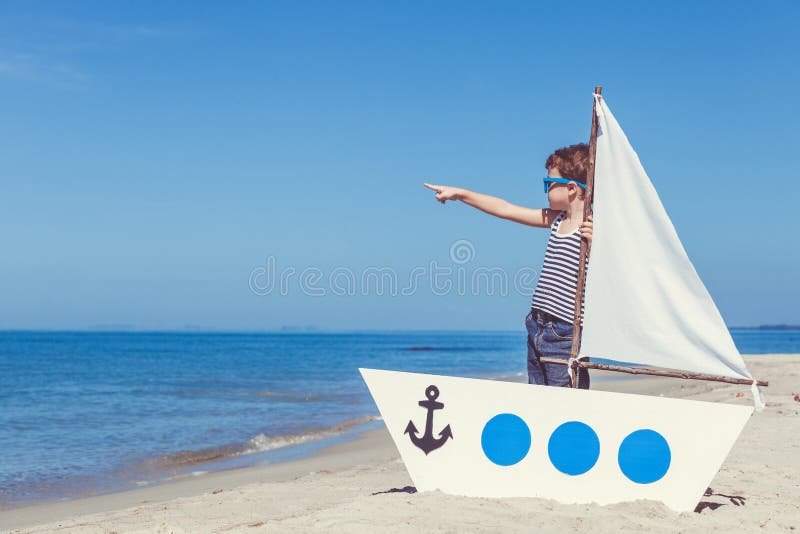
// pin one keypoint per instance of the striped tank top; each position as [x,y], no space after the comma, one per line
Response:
[558,280]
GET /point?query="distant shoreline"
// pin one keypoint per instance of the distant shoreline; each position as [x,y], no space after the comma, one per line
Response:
[285,331]
[770,327]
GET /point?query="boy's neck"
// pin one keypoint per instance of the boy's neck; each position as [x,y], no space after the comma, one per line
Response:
[574,211]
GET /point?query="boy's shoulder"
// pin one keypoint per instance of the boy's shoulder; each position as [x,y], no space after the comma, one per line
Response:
[555,216]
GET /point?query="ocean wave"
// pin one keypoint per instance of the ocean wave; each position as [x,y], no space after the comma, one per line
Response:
[257,444]
[446,349]
[263,443]
[299,396]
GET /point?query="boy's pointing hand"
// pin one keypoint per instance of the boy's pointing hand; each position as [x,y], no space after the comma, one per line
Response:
[444,192]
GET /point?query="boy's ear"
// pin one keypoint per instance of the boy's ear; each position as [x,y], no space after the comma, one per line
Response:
[579,191]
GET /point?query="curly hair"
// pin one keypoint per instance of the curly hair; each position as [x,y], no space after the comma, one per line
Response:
[572,162]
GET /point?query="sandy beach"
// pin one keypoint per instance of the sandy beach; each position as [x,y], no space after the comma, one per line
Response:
[362,486]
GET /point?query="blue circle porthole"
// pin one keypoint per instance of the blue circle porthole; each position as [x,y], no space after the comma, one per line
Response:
[573,448]
[644,456]
[506,439]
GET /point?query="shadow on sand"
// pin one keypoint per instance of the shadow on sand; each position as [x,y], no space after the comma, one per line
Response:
[404,489]
[736,500]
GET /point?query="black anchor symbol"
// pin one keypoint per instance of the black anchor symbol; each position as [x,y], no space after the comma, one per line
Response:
[427,442]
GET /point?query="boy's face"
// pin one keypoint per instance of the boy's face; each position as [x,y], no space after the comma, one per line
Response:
[560,195]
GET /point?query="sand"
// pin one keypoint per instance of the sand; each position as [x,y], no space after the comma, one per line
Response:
[349,487]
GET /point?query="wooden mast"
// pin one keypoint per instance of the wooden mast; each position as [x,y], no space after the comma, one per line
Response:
[587,210]
[576,330]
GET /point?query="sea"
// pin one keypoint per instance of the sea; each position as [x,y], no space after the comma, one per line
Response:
[88,413]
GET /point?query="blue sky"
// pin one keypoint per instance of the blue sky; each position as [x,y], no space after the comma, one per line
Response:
[156,155]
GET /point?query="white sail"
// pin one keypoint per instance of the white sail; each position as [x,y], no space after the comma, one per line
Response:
[644,302]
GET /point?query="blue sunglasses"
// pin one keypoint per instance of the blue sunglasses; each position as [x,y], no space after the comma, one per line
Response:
[548,181]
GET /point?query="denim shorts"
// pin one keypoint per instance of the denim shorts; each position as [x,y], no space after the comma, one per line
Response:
[550,337]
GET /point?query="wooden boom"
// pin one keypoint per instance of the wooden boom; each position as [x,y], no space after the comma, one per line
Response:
[655,372]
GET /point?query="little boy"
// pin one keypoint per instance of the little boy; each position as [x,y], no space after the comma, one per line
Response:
[550,321]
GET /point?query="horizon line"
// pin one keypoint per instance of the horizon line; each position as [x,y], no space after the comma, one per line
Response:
[305,330]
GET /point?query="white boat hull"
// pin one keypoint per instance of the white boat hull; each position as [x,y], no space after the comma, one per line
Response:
[582,446]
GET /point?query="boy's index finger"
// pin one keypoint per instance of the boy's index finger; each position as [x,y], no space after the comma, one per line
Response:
[434,187]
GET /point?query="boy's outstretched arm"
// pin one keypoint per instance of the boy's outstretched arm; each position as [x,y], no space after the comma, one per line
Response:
[541,218]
